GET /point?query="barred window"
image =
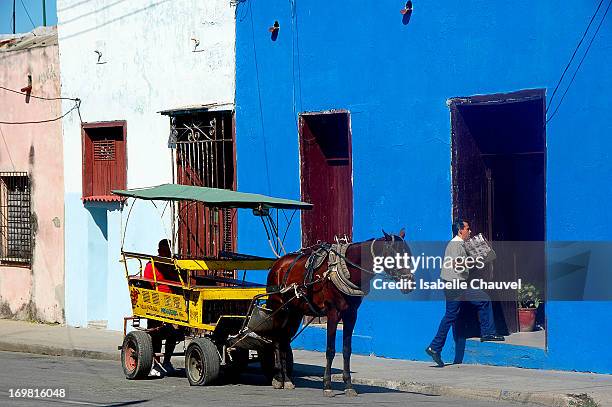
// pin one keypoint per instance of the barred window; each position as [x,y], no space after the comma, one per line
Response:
[15,218]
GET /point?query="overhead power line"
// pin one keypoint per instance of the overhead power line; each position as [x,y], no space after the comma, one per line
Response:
[573,55]
[76,106]
[581,61]
[37,97]
[8,151]
[30,18]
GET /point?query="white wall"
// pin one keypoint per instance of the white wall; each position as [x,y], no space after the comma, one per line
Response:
[147,66]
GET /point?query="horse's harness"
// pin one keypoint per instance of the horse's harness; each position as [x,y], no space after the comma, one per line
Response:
[337,270]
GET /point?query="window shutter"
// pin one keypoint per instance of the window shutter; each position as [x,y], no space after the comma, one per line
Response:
[104,161]
[104,150]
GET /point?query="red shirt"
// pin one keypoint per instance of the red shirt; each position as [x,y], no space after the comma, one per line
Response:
[148,273]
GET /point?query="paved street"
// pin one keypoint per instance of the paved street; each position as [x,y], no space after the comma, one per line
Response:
[101,383]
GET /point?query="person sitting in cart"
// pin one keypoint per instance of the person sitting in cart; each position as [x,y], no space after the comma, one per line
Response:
[160,330]
[162,271]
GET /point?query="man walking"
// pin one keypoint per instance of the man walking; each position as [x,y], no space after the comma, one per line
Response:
[456,270]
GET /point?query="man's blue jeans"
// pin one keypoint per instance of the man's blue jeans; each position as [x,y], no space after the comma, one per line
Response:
[454,298]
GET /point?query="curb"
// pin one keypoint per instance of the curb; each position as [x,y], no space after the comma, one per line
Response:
[544,399]
[57,351]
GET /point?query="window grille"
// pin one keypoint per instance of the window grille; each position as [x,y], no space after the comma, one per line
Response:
[104,150]
[15,218]
[204,153]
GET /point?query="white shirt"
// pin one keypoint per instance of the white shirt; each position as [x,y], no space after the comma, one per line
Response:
[454,250]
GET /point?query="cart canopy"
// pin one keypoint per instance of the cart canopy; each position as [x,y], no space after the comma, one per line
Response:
[214,197]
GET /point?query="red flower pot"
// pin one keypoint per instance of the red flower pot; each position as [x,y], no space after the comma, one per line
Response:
[526,318]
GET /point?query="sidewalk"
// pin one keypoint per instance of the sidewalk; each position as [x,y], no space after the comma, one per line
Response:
[542,387]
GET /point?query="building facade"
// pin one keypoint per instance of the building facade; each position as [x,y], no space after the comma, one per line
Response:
[31,178]
[427,108]
[382,119]
[127,62]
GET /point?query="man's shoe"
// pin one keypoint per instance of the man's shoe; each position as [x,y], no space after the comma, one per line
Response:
[155,372]
[435,356]
[492,338]
[169,369]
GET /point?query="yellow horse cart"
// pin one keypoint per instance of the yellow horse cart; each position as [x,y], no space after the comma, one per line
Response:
[222,319]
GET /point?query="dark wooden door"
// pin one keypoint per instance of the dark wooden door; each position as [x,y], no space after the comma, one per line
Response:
[205,156]
[326,176]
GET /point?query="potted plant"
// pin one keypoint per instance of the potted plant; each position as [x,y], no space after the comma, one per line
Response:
[529,299]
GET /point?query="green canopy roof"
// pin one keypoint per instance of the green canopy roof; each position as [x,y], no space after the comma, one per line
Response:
[221,198]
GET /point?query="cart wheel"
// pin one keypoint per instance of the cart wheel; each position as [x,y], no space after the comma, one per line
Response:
[266,360]
[202,362]
[137,355]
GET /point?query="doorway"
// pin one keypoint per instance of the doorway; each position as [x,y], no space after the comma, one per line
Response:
[499,185]
[326,176]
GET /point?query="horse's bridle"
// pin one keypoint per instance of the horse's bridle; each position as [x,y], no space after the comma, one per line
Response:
[387,247]
[385,251]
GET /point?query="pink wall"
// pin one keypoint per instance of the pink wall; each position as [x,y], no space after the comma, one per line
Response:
[37,292]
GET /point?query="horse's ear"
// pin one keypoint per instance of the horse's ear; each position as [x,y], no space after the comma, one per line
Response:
[402,233]
[386,235]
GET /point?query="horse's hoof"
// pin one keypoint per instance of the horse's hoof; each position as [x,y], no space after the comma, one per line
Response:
[277,384]
[289,386]
[350,393]
[328,393]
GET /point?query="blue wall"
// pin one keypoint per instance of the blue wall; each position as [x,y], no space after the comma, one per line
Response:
[96,288]
[395,79]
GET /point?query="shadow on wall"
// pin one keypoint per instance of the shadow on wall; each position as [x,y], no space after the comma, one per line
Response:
[110,21]
[407,13]
[98,214]
[100,251]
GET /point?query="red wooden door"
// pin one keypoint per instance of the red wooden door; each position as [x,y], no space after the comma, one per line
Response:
[326,176]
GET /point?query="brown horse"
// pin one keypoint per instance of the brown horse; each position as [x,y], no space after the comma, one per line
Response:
[315,294]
